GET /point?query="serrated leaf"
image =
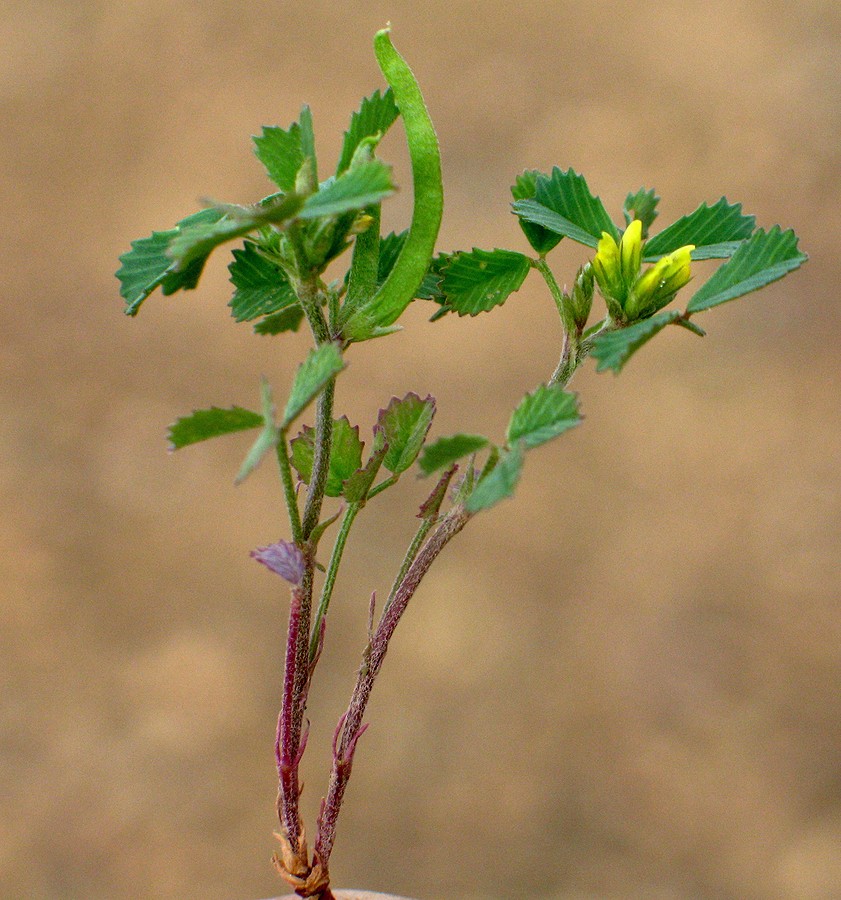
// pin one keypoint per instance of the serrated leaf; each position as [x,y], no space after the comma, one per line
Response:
[288,319]
[267,439]
[355,189]
[541,239]
[447,450]
[357,486]
[643,206]
[375,116]
[390,247]
[499,483]
[716,231]
[542,415]
[405,424]
[322,364]
[764,258]
[203,424]
[345,455]
[563,204]
[147,266]
[477,281]
[281,153]
[262,287]
[198,241]
[614,348]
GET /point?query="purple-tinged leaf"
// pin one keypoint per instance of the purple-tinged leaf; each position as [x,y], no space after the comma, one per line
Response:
[284,559]
[405,424]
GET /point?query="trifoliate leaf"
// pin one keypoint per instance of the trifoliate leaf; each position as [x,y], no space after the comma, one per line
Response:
[764,258]
[374,117]
[477,281]
[499,483]
[405,424]
[716,231]
[288,319]
[262,287]
[614,348]
[268,438]
[281,153]
[147,265]
[357,486]
[197,241]
[203,424]
[563,204]
[355,189]
[642,206]
[541,239]
[447,450]
[322,364]
[542,415]
[345,455]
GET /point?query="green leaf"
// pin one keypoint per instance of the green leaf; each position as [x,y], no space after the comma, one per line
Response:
[542,415]
[322,364]
[405,424]
[716,231]
[308,141]
[267,439]
[281,153]
[642,206]
[764,258]
[541,239]
[147,266]
[356,487]
[345,455]
[198,241]
[288,319]
[477,281]
[447,450]
[614,348]
[374,117]
[203,424]
[355,189]
[262,287]
[499,483]
[563,204]
[390,247]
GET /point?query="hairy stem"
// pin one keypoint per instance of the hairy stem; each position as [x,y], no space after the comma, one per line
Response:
[350,727]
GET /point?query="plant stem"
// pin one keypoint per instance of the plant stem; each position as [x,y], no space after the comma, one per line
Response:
[330,578]
[409,558]
[350,726]
[289,490]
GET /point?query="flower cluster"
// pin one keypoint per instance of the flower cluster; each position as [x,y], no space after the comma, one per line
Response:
[629,294]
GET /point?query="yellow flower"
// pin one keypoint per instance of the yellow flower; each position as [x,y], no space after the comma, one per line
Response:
[616,266]
[656,287]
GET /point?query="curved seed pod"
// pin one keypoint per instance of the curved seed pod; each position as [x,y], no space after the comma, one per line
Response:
[373,317]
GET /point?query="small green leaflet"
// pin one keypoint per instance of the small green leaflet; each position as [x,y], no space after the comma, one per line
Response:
[355,189]
[614,348]
[199,240]
[541,239]
[308,143]
[322,364]
[345,455]
[147,265]
[203,424]
[262,287]
[764,258]
[716,231]
[477,281]
[281,153]
[405,424]
[498,483]
[563,204]
[447,450]
[542,415]
[267,439]
[375,116]
[642,206]
[288,319]
[356,487]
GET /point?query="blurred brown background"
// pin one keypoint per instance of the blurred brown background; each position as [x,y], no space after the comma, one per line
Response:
[624,683]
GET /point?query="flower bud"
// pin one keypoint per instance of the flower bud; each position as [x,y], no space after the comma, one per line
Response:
[656,287]
[581,297]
